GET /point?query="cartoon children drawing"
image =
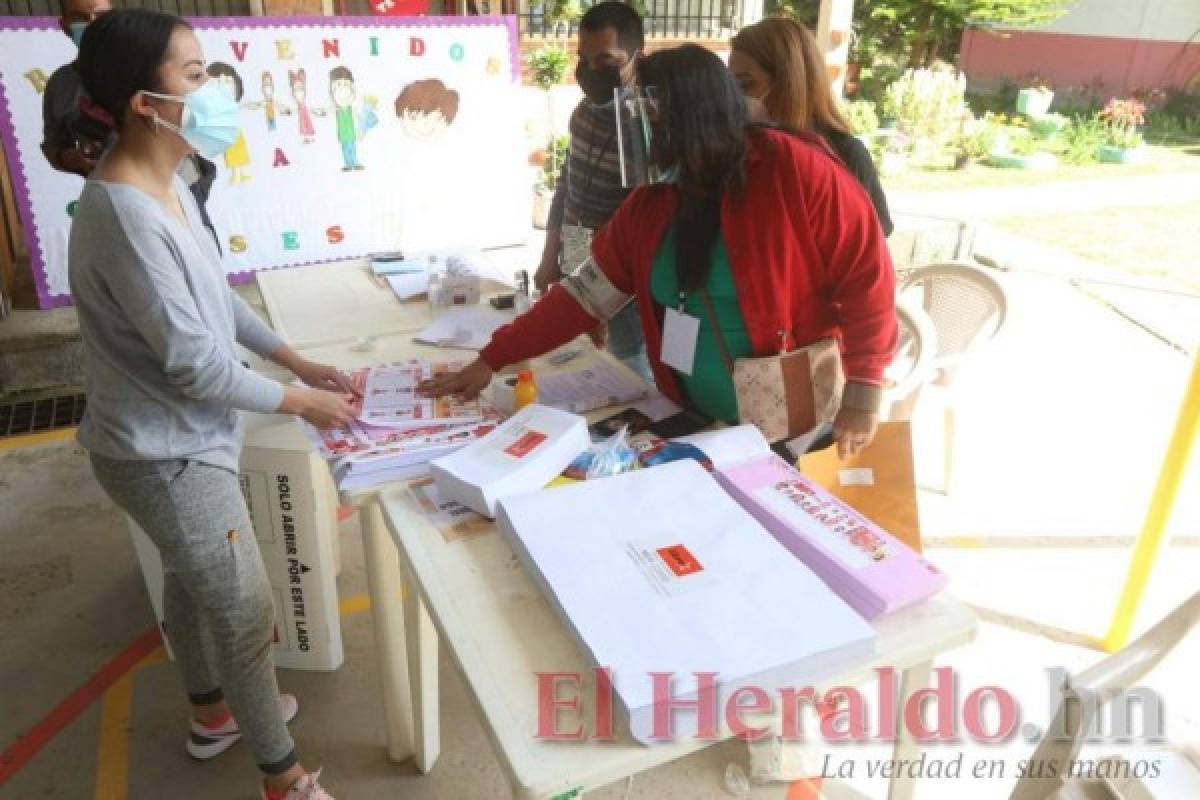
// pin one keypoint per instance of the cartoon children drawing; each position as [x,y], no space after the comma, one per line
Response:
[268,93]
[342,90]
[426,108]
[298,82]
[237,158]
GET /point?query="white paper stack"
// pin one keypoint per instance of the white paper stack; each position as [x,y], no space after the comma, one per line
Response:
[522,455]
[592,380]
[659,570]
[464,327]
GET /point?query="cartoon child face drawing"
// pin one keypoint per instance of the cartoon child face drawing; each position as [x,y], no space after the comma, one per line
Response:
[299,85]
[227,78]
[342,91]
[268,86]
[426,109]
[237,157]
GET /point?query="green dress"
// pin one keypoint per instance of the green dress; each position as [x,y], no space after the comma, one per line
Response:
[710,386]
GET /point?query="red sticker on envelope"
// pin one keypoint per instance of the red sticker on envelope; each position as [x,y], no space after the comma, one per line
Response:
[679,560]
[525,444]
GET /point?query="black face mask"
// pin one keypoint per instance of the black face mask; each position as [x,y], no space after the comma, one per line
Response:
[599,84]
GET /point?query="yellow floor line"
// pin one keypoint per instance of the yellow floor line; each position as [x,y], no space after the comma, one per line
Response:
[354,605]
[112,757]
[33,439]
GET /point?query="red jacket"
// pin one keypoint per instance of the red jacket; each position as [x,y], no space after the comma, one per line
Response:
[808,258]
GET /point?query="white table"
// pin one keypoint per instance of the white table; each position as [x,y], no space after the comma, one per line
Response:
[499,628]
[476,596]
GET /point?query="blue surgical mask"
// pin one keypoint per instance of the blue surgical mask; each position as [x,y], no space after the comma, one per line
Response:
[76,30]
[210,121]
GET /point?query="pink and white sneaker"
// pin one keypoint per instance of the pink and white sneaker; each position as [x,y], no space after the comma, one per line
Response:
[306,788]
[205,743]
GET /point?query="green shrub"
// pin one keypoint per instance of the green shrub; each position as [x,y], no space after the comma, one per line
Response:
[563,10]
[549,65]
[928,104]
[978,137]
[556,154]
[861,116]
[1081,139]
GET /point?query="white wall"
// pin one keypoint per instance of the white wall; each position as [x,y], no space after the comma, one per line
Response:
[1164,20]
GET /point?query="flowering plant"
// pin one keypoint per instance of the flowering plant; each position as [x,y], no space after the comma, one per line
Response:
[1121,118]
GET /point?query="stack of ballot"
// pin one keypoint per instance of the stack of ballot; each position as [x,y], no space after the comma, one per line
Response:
[659,570]
[363,455]
[868,567]
[398,432]
[388,396]
[521,455]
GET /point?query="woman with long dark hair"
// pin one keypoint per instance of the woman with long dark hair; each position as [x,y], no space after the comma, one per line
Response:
[165,385]
[777,62]
[782,240]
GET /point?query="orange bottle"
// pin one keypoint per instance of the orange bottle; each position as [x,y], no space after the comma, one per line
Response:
[526,392]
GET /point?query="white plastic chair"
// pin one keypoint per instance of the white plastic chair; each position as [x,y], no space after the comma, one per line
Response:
[1084,698]
[966,307]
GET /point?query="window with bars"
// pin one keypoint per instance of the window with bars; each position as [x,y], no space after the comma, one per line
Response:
[665,19]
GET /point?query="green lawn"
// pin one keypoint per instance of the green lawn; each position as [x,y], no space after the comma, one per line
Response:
[1162,160]
[1162,240]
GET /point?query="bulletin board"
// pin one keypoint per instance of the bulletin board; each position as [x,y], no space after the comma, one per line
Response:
[359,134]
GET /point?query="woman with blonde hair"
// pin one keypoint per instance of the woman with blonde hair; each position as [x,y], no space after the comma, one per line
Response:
[777,62]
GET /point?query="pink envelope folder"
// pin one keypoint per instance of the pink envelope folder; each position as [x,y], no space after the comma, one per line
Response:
[869,568]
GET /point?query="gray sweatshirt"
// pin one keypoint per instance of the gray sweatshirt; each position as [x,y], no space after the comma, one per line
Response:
[159,324]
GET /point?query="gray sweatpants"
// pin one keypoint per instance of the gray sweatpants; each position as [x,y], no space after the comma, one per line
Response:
[217,603]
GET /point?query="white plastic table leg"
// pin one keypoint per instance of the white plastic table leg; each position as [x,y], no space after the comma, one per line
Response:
[423,679]
[907,748]
[384,587]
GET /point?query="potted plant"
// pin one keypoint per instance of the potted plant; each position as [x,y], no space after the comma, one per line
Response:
[1035,97]
[1020,152]
[550,160]
[548,66]
[1121,142]
[1047,126]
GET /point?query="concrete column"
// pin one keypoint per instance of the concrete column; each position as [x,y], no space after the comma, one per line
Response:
[833,35]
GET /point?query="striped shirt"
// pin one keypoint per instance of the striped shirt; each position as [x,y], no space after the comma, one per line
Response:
[589,188]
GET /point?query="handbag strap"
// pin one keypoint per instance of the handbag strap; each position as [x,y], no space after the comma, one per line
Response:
[712,320]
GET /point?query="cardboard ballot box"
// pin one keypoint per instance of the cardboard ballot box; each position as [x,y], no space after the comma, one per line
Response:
[293,505]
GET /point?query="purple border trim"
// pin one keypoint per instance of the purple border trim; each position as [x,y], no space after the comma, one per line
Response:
[8,132]
[20,182]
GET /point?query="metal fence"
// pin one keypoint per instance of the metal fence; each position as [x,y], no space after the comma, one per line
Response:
[183,8]
[665,19]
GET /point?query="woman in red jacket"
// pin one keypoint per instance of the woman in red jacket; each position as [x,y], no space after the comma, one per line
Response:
[784,239]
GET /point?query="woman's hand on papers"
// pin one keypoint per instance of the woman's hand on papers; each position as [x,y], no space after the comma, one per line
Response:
[853,430]
[466,383]
[319,408]
[323,376]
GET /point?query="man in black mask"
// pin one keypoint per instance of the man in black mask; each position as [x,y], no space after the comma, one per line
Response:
[590,188]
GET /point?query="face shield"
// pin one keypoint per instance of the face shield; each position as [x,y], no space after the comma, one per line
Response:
[637,112]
